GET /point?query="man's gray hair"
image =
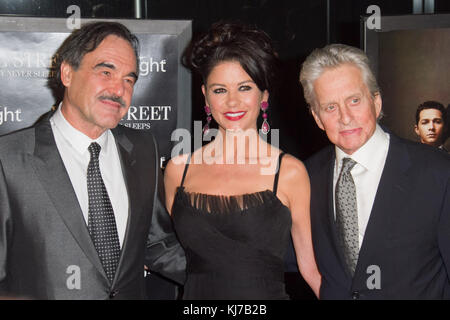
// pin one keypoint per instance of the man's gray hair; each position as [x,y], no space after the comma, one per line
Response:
[333,56]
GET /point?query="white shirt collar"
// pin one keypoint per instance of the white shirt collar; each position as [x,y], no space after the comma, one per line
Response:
[372,153]
[77,139]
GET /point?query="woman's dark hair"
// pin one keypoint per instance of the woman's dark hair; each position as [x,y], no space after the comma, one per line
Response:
[227,41]
[82,41]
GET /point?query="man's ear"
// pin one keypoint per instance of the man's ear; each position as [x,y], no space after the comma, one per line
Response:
[317,118]
[378,102]
[416,129]
[66,71]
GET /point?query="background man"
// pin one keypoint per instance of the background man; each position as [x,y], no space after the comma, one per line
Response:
[380,205]
[81,200]
[431,124]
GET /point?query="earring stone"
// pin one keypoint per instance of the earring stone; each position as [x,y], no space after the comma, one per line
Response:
[208,120]
[265,128]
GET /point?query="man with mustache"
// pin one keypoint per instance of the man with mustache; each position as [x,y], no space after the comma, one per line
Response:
[380,205]
[81,198]
[431,124]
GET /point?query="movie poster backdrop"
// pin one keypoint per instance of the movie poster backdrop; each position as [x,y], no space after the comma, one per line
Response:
[410,54]
[162,96]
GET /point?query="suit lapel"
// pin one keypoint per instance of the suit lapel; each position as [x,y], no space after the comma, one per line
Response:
[131,177]
[392,194]
[50,169]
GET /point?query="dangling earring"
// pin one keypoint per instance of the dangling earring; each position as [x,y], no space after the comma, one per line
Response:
[208,120]
[265,128]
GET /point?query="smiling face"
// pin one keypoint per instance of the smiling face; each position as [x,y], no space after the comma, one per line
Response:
[98,94]
[344,107]
[430,127]
[233,97]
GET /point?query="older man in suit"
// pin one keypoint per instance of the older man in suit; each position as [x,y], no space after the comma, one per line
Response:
[81,199]
[380,205]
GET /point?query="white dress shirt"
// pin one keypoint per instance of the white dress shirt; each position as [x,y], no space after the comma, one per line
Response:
[366,174]
[73,148]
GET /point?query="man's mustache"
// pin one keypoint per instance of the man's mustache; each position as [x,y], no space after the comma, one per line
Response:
[113,98]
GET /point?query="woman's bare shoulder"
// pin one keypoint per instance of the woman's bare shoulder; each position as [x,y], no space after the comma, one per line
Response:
[293,171]
[175,167]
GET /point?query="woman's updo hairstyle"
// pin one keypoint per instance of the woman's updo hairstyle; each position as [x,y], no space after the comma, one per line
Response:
[226,41]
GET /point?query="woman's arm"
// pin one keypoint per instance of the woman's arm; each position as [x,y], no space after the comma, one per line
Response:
[294,183]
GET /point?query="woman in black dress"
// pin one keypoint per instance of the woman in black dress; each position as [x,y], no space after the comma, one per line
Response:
[236,200]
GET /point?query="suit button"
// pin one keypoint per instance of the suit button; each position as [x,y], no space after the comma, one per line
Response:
[113,293]
[355,295]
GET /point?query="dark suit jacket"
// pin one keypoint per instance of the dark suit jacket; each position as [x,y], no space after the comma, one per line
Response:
[408,233]
[44,241]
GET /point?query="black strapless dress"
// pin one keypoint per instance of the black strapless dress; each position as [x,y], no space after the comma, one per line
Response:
[235,245]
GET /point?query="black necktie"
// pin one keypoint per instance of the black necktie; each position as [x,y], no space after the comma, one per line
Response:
[347,214]
[101,221]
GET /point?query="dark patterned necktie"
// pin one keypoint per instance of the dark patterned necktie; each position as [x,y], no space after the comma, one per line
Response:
[347,214]
[101,221]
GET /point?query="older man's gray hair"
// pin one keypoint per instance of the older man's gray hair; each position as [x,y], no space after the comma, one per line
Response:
[333,56]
